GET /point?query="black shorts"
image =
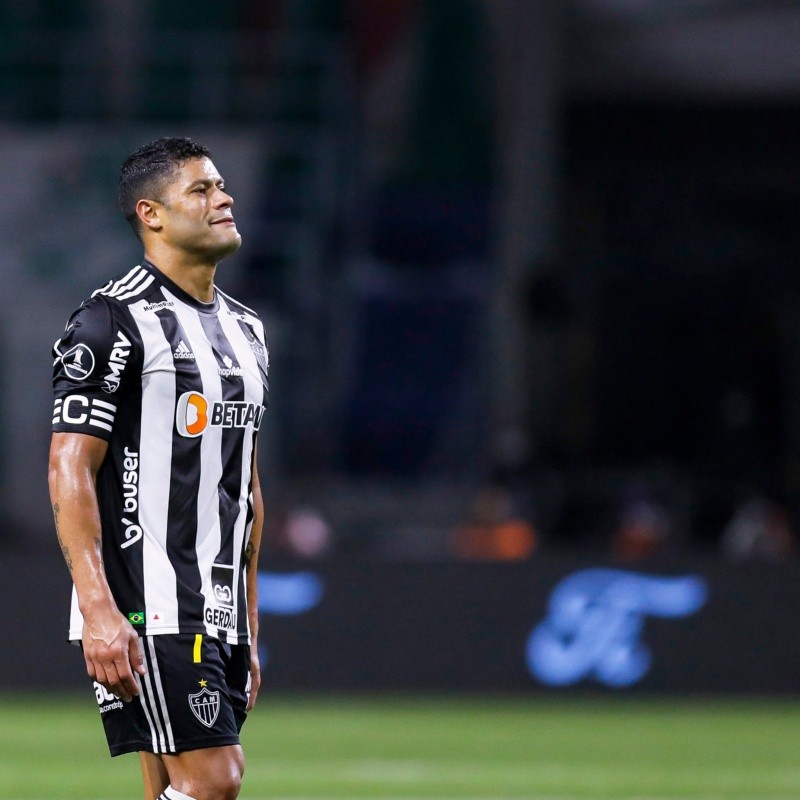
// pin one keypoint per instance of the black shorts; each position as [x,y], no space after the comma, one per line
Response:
[194,695]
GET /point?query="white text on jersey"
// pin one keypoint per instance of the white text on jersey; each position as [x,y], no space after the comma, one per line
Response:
[116,362]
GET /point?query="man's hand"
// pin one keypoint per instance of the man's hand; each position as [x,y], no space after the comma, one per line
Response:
[112,651]
[110,644]
[255,677]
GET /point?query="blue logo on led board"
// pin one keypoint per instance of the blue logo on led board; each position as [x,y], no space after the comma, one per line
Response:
[595,621]
[287,594]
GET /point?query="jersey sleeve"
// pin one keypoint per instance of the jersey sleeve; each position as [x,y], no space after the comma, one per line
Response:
[91,363]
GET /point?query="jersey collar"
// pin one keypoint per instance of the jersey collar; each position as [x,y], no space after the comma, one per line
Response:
[185,297]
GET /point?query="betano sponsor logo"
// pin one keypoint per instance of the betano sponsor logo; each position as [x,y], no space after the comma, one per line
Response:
[195,414]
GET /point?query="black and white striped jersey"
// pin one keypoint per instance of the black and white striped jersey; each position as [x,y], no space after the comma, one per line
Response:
[177,388]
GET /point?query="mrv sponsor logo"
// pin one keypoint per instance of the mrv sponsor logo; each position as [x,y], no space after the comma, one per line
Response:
[130,497]
[116,362]
[595,623]
[195,413]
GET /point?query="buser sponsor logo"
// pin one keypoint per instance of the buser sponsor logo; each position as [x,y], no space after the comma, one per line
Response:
[130,481]
[194,414]
[130,497]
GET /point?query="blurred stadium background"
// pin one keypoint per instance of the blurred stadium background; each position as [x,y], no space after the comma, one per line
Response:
[529,274]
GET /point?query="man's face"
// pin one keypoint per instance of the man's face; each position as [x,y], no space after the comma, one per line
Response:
[196,212]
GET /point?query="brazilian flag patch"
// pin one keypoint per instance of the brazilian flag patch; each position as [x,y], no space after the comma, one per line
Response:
[136,617]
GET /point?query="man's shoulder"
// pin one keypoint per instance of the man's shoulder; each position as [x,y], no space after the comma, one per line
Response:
[105,311]
[125,288]
[236,306]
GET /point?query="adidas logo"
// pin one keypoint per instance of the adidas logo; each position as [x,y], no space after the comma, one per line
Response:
[182,351]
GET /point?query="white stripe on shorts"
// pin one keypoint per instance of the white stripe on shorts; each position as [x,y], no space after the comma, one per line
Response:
[154,703]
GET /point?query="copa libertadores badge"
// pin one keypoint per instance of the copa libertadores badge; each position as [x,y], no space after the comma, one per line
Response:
[205,706]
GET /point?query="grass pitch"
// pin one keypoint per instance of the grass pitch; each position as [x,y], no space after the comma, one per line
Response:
[425,748]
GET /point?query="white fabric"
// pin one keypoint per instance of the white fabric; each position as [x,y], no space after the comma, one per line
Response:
[174,794]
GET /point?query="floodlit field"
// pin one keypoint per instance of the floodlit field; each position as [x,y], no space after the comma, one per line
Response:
[426,748]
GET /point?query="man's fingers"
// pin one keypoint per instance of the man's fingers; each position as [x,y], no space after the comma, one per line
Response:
[107,676]
[251,698]
[97,673]
[116,684]
[117,678]
[136,656]
[124,683]
[128,682]
[255,685]
[114,657]
[90,668]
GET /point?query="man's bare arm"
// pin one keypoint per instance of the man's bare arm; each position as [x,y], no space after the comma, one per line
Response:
[110,644]
[251,556]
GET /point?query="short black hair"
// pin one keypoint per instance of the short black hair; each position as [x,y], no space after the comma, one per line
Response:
[142,173]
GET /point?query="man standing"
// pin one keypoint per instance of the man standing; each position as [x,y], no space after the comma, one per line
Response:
[160,384]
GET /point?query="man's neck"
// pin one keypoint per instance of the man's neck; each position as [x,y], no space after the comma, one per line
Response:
[196,279]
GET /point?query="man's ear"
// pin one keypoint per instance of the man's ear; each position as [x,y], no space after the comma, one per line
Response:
[148,212]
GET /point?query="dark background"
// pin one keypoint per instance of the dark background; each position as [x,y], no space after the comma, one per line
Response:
[524,267]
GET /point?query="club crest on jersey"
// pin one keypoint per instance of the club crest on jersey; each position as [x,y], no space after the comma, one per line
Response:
[205,706]
[261,353]
[194,414]
[78,362]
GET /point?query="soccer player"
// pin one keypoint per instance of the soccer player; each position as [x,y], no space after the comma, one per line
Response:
[160,383]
